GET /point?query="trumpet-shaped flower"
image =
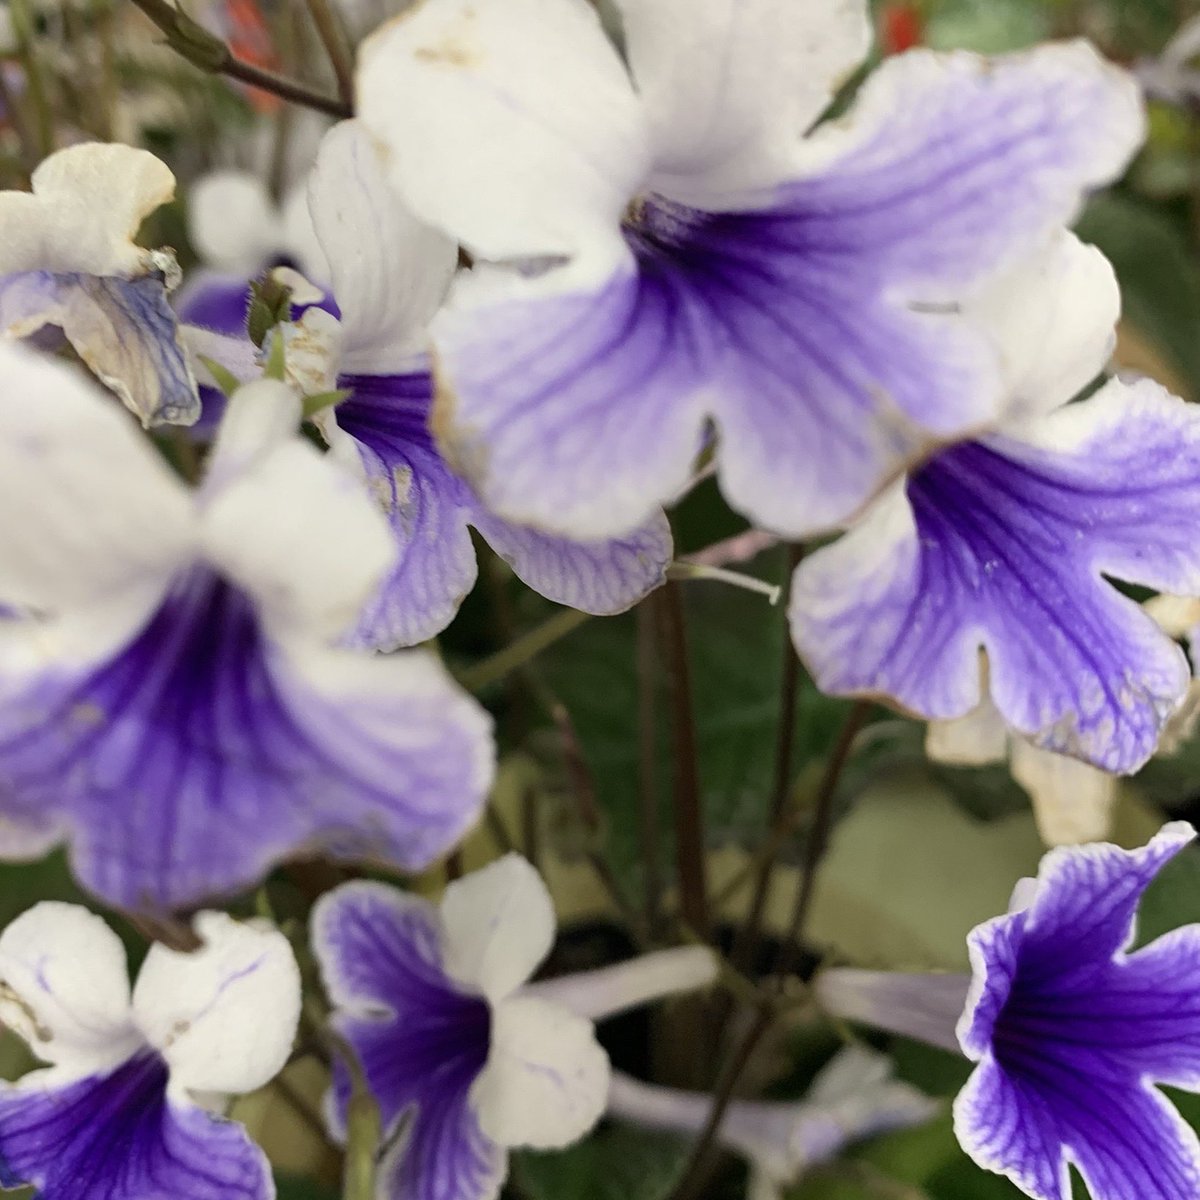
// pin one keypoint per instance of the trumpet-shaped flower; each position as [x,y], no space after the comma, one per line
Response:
[173,702]
[463,1058]
[125,1108]
[69,266]
[661,247]
[389,274]
[854,1097]
[1007,544]
[1070,1030]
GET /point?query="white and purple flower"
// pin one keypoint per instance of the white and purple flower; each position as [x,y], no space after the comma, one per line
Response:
[1070,1030]
[390,273]
[128,1107]
[173,699]
[465,1058]
[660,246]
[69,269]
[1007,544]
[853,1097]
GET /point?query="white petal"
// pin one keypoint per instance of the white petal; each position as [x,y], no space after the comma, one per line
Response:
[299,532]
[546,1080]
[232,222]
[100,514]
[300,240]
[259,418]
[731,85]
[1073,801]
[1055,321]
[390,271]
[64,988]
[514,152]
[313,351]
[88,202]
[499,925]
[236,354]
[225,1016]
[976,740]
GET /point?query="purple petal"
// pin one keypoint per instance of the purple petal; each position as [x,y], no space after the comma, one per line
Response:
[824,328]
[426,504]
[1028,1119]
[124,329]
[1003,544]
[216,301]
[202,753]
[952,165]
[118,1137]
[420,1039]
[445,1155]
[596,577]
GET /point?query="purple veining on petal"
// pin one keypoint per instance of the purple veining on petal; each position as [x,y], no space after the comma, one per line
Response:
[1071,1031]
[430,507]
[420,1038]
[118,1137]
[195,758]
[1006,550]
[426,504]
[124,329]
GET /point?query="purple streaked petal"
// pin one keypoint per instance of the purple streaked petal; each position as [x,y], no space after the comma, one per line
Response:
[602,577]
[420,1038]
[1070,1033]
[430,508]
[202,753]
[426,504]
[118,1137]
[952,166]
[1027,1118]
[124,329]
[444,1155]
[577,411]
[990,532]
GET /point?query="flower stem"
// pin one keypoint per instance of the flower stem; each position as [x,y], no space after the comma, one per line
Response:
[608,991]
[818,837]
[650,824]
[745,948]
[333,38]
[689,814]
[207,52]
[526,648]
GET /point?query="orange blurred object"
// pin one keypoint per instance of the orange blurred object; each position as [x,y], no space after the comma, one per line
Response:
[249,38]
[902,28]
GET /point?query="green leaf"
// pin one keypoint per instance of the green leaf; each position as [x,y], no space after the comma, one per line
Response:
[293,1187]
[617,1163]
[988,26]
[736,646]
[1160,279]
[909,875]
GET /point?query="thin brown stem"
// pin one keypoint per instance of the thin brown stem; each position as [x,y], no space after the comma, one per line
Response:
[690,847]
[745,947]
[648,800]
[818,836]
[337,47]
[694,1180]
[209,53]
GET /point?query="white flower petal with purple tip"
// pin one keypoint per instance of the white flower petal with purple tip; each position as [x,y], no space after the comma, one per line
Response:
[657,256]
[1034,520]
[390,273]
[128,1125]
[1071,1031]
[172,695]
[68,263]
